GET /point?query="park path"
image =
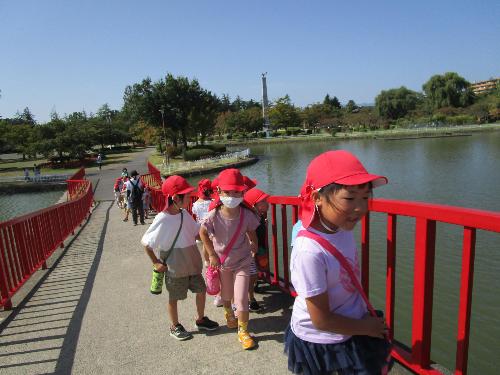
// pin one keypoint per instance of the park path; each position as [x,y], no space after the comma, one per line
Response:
[92,313]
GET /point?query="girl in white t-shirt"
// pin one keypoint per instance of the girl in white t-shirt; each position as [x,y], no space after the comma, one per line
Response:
[330,329]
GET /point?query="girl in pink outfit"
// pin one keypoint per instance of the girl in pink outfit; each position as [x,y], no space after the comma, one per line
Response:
[230,217]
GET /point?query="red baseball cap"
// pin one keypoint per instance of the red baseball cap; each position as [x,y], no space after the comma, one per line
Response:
[340,167]
[254,196]
[204,185]
[231,179]
[175,185]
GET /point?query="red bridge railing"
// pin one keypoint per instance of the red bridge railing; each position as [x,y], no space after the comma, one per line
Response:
[427,215]
[417,358]
[26,242]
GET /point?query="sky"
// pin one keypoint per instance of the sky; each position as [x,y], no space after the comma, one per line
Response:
[67,56]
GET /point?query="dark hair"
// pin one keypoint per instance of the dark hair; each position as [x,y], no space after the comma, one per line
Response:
[171,200]
[207,193]
[328,190]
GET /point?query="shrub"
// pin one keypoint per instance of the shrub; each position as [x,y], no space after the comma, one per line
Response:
[262,134]
[197,153]
[229,136]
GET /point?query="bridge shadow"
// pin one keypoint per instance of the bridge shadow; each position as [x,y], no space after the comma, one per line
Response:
[270,322]
[41,334]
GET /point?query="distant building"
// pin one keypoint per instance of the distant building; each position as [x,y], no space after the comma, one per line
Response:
[483,87]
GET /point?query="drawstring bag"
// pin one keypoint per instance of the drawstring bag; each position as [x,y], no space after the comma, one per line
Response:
[212,278]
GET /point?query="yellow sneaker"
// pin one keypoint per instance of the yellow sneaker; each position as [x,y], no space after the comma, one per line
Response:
[231,321]
[247,342]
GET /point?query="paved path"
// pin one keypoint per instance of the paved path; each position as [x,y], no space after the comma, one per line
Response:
[92,313]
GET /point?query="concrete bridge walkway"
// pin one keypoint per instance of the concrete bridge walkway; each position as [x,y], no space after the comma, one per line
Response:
[91,312]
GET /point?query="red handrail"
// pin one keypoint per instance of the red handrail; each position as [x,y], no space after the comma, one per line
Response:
[427,215]
[26,242]
[79,174]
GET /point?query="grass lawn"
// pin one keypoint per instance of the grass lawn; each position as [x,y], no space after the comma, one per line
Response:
[19,164]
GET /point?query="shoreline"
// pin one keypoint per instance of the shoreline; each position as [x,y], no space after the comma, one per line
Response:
[196,172]
[373,134]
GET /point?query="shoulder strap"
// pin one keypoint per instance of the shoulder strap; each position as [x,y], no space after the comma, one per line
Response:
[233,239]
[343,262]
[175,240]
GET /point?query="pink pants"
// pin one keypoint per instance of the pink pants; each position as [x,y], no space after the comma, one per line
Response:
[234,285]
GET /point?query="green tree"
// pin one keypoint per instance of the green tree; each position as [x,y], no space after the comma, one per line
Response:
[448,90]
[350,106]
[283,114]
[395,103]
[333,103]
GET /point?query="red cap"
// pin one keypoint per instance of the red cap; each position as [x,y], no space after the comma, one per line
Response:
[231,179]
[175,185]
[249,183]
[340,167]
[254,196]
[203,186]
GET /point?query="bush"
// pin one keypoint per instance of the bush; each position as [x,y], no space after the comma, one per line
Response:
[293,130]
[261,134]
[229,136]
[198,153]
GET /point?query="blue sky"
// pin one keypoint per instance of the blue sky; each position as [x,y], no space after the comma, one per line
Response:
[67,55]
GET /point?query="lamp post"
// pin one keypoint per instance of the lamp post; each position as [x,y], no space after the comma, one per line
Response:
[162,111]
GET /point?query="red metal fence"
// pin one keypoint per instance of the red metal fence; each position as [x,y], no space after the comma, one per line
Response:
[416,358]
[426,215]
[26,242]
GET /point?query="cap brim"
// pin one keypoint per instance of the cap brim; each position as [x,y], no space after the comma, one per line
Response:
[186,190]
[363,178]
[233,187]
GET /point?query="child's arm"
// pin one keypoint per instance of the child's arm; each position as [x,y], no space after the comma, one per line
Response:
[159,266]
[324,320]
[254,242]
[209,247]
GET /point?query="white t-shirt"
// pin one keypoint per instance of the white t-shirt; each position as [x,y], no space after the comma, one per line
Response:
[200,209]
[185,258]
[315,271]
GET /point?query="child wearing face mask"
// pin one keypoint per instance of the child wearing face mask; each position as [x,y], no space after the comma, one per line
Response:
[232,222]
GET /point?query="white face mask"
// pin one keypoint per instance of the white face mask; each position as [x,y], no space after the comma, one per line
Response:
[231,202]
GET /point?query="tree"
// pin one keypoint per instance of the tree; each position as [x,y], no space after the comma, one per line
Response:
[333,103]
[448,90]
[283,114]
[395,103]
[350,106]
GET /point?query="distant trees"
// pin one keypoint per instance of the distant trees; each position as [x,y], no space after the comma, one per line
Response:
[283,114]
[448,90]
[396,103]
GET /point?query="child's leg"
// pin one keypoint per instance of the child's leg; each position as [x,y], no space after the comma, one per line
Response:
[200,304]
[227,288]
[241,283]
[251,285]
[172,311]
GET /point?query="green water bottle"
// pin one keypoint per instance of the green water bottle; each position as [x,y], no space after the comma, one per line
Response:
[157,282]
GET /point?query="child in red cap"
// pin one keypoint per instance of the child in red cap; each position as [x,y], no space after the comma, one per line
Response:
[257,199]
[230,221]
[330,330]
[200,207]
[170,243]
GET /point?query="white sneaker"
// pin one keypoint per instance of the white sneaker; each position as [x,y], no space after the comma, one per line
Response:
[218,301]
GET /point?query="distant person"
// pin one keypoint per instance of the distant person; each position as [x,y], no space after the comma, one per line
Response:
[170,244]
[26,174]
[331,329]
[117,188]
[135,189]
[124,172]
[99,160]
[146,201]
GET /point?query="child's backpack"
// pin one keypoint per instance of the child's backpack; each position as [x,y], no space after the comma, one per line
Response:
[136,194]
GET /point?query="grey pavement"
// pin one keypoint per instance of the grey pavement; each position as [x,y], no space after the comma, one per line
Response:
[91,312]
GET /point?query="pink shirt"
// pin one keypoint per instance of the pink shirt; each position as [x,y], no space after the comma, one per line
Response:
[315,271]
[221,230]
